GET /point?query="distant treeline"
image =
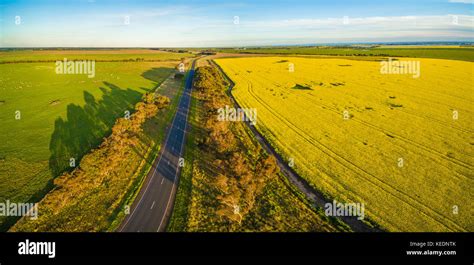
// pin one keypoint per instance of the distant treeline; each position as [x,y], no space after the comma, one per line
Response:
[119,60]
[81,49]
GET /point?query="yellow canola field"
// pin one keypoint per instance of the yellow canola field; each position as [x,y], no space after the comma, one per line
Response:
[400,145]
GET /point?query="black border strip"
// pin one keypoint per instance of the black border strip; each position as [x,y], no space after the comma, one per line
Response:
[121,246]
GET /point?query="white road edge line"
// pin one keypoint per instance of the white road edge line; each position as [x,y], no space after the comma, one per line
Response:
[154,171]
[182,143]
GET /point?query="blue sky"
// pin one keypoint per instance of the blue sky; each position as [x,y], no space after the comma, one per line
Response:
[96,23]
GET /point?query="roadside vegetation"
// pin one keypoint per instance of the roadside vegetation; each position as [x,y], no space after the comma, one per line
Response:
[230,183]
[89,197]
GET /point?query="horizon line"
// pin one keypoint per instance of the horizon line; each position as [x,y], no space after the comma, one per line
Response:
[446,42]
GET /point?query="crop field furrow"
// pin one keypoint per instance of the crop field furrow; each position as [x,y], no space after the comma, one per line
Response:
[273,138]
[440,122]
[435,102]
[301,114]
[396,193]
[462,163]
[411,146]
[427,101]
[360,173]
[425,146]
[435,152]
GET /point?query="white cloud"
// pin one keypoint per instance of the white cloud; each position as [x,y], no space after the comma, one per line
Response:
[395,21]
[157,27]
[462,1]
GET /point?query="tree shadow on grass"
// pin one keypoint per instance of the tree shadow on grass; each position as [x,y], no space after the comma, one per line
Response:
[86,126]
[157,74]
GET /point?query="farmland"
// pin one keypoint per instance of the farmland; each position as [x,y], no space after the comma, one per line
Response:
[18,56]
[64,116]
[398,144]
[437,52]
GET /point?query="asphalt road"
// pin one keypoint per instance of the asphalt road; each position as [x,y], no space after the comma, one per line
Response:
[152,207]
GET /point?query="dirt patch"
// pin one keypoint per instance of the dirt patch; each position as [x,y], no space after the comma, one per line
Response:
[55,102]
[393,105]
[337,84]
[302,87]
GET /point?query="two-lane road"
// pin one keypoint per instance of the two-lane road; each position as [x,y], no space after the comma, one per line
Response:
[152,207]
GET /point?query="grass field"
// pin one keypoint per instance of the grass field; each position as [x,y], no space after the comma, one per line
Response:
[441,52]
[302,113]
[98,55]
[62,116]
[88,200]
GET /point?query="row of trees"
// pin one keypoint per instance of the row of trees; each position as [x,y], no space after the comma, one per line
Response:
[125,134]
[240,177]
[88,198]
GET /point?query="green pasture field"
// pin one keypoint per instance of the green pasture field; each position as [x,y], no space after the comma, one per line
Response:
[62,116]
[17,56]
